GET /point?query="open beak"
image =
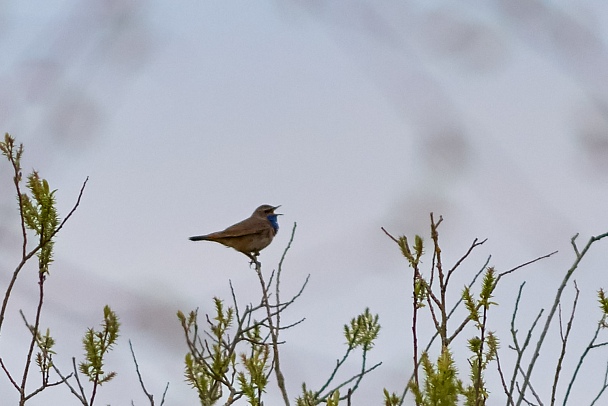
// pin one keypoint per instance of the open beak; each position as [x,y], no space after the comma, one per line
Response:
[276,207]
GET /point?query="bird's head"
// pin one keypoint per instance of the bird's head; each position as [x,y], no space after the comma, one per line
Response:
[267,211]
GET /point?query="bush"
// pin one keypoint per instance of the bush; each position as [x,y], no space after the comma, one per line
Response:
[233,354]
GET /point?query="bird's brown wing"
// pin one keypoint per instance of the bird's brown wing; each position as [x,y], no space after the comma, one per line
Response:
[246,227]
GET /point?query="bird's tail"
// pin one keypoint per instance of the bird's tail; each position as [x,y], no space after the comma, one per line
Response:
[199,238]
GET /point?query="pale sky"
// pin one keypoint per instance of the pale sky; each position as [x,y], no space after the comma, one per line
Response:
[351,115]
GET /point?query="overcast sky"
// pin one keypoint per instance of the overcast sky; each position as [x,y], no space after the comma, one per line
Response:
[186,116]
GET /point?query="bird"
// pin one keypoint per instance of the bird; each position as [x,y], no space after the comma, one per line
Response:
[249,236]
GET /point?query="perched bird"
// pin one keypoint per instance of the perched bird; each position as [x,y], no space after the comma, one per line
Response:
[251,235]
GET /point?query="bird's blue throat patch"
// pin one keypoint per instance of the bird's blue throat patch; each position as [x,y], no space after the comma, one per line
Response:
[273,221]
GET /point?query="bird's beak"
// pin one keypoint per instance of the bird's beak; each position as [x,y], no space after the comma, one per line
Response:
[276,207]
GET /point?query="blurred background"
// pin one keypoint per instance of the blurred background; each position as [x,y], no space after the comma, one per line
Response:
[351,115]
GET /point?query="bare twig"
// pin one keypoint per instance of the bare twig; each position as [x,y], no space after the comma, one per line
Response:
[540,403]
[141,381]
[564,339]
[275,339]
[8,374]
[500,275]
[604,387]
[502,380]
[474,245]
[582,358]
[65,380]
[45,374]
[358,376]
[333,373]
[396,241]
[34,330]
[83,396]
[519,350]
[579,256]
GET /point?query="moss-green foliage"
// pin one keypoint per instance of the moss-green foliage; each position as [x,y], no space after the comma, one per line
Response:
[391,399]
[308,397]
[37,209]
[362,330]
[97,344]
[206,367]
[211,363]
[438,383]
[38,214]
[483,346]
[441,385]
[603,301]
[236,354]
[41,216]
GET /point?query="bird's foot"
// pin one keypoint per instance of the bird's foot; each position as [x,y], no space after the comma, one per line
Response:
[254,260]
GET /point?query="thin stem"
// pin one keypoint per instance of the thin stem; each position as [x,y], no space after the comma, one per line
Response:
[34,331]
[358,376]
[520,350]
[579,256]
[590,346]
[564,338]
[502,380]
[333,373]
[274,336]
[478,381]
[278,281]
[415,333]
[604,386]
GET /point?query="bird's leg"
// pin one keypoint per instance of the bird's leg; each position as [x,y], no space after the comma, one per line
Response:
[254,259]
